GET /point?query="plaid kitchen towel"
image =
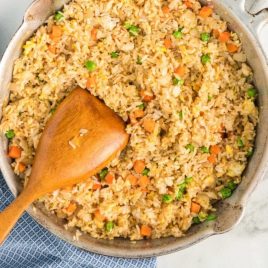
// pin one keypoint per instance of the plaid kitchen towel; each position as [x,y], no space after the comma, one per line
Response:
[31,246]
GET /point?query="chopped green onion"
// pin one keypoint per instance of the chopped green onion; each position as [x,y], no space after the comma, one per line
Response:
[58,16]
[225,192]
[204,150]
[132,29]
[189,147]
[10,134]
[141,106]
[145,172]
[177,81]
[250,152]
[231,185]
[205,58]
[91,65]
[114,54]
[139,61]
[178,34]
[181,190]
[109,226]
[103,173]
[181,115]
[240,143]
[252,92]
[211,217]
[179,195]
[209,98]
[167,198]
[205,37]
[53,110]
[196,220]
[188,179]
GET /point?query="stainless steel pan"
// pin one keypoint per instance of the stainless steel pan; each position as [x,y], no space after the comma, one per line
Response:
[246,17]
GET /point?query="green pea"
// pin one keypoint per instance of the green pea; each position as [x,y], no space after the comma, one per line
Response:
[211,217]
[139,60]
[205,37]
[196,220]
[225,192]
[240,143]
[10,134]
[178,34]
[132,29]
[189,147]
[181,115]
[167,198]
[91,65]
[58,16]
[205,59]
[109,226]
[141,106]
[231,185]
[252,92]
[204,150]
[250,152]
[114,54]
[145,172]
[103,173]
[177,81]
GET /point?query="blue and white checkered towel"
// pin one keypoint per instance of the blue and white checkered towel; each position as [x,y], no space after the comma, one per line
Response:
[31,246]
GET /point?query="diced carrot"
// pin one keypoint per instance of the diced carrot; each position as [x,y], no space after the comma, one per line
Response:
[165,9]
[14,152]
[138,113]
[93,33]
[146,230]
[149,124]
[98,216]
[180,71]
[188,4]
[56,33]
[132,179]
[215,33]
[96,186]
[212,159]
[144,181]
[21,167]
[52,49]
[195,207]
[205,12]
[145,97]
[167,43]
[109,178]
[232,48]
[71,208]
[139,166]
[91,82]
[224,37]
[215,149]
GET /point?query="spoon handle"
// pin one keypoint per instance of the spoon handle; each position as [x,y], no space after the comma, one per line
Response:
[10,215]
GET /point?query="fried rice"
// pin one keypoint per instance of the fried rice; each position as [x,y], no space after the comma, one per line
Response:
[179,79]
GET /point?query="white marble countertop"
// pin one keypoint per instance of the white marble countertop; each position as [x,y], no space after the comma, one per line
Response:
[246,246]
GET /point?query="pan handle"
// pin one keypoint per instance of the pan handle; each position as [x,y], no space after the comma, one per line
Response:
[257,10]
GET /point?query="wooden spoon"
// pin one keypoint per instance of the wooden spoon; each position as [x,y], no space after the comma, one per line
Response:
[80,139]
